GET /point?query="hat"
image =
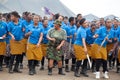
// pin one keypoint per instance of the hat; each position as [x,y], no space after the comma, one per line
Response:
[58,22]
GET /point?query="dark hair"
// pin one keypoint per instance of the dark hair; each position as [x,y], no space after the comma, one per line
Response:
[15,13]
[8,16]
[27,13]
[33,14]
[78,15]
[92,25]
[56,16]
[82,21]
[44,20]
[71,19]
[107,20]
[65,17]
[24,13]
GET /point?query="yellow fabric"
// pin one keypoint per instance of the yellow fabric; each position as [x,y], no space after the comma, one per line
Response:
[89,50]
[44,49]
[24,45]
[34,53]
[79,52]
[99,54]
[109,47]
[2,48]
[119,55]
[15,47]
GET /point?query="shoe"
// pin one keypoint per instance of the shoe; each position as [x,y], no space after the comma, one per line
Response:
[1,69]
[97,75]
[105,75]
[16,69]
[67,68]
[49,71]
[76,73]
[31,72]
[10,69]
[118,69]
[73,68]
[42,68]
[34,70]
[21,66]
[84,72]
[61,72]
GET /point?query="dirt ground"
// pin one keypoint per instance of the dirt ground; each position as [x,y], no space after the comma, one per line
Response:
[42,75]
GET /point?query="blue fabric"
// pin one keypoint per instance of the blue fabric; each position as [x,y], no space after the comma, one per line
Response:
[115,35]
[118,33]
[35,35]
[25,24]
[89,38]
[40,23]
[16,30]
[51,23]
[81,33]
[71,30]
[115,32]
[7,36]
[102,32]
[65,27]
[3,30]
[45,31]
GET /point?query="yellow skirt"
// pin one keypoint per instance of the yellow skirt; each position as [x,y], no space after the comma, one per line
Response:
[79,52]
[15,47]
[2,48]
[109,47]
[44,49]
[119,55]
[99,54]
[34,53]
[24,45]
[89,50]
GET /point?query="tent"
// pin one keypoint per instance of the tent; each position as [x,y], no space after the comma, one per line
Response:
[35,6]
[110,17]
[91,17]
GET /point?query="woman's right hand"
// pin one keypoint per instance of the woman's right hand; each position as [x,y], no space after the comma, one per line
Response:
[70,36]
[53,39]
[13,38]
[86,52]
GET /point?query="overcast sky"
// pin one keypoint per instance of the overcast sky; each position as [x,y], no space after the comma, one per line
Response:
[99,8]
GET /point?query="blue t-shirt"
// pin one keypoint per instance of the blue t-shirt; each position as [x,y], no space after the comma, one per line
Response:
[3,30]
[65,27]
[81,33]
[25,24]
[89,38]
[51,23]
[45,31]
[102,32]
[115,32]
[35,35]
[118,33]
[71,32]
[16,30]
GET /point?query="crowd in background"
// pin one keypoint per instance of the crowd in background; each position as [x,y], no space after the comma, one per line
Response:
[59,39]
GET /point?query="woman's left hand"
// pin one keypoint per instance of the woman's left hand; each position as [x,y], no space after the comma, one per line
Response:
[58,48]
[3,36]
[38,45]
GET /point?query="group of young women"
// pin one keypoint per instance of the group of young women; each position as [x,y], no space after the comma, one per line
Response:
[58,39]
